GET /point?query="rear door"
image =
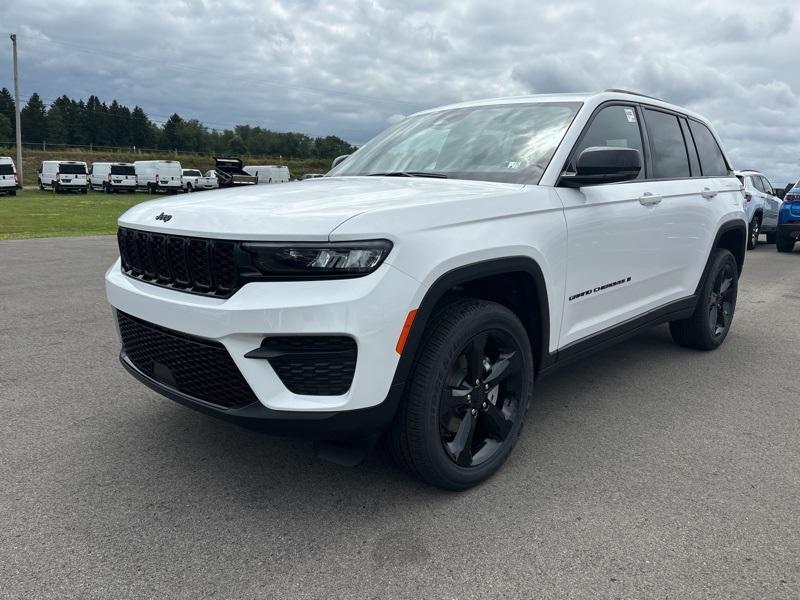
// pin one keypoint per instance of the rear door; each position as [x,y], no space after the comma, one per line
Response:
[683,224]
[771,205]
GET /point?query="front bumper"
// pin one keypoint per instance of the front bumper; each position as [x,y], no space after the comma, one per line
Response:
[369,309]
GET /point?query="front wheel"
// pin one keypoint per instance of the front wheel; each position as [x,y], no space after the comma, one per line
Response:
[467,397]
[711,321]
[784,243]
[754,230]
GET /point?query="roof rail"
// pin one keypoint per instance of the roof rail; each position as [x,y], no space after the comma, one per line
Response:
[620,91]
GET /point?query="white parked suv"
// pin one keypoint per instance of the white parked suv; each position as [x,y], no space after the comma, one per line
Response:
[424,285]
[761,205]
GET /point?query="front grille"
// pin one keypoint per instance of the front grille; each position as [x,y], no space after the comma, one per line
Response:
[313,365]
[197,265]
[197,367]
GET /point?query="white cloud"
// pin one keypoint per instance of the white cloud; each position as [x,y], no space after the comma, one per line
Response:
[350,67]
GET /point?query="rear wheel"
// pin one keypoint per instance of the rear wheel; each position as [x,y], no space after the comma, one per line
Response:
[784,243]
[708,327]
[189,189]
[755,229]
[12,193]
[466,400]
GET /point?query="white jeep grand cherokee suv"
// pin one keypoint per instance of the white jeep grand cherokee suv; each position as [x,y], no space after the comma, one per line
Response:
[424,285]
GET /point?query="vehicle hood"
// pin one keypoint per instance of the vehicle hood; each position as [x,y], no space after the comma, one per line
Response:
[307,210]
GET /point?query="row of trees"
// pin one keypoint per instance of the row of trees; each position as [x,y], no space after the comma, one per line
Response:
[93,122]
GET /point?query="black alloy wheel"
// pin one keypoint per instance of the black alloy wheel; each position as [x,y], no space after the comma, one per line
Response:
[481,398]
[721,301]
[467,396]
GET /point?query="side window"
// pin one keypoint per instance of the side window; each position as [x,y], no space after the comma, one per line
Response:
[694,162]
[670,160]
[615,126]
[756,181]
[711,160]
[767,186]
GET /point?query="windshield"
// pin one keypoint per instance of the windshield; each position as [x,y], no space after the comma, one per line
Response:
[510,143]
[122,170]
[71,169]
[6,169]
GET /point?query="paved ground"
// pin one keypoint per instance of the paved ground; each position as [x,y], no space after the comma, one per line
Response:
[645,472]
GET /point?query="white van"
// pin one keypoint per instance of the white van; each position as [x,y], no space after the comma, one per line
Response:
[269,173]
[63,176]
[159,175]
[9,182]
[112,177]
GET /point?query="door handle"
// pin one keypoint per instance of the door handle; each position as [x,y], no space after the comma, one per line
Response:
[648,199]
[708,193]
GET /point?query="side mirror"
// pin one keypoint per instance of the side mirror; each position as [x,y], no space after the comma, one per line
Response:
[780,193]
[604,164]
[338,160]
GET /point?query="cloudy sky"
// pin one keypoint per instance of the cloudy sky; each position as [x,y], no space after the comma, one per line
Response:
[351,67]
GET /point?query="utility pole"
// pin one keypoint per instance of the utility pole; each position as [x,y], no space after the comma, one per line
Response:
[16,109]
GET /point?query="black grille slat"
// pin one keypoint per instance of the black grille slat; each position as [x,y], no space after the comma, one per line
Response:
[200,368]
[176,254]
[200,263]
[223,265]
[313,365]
[197,265]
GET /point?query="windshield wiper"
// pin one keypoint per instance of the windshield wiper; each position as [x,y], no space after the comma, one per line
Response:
[409,174]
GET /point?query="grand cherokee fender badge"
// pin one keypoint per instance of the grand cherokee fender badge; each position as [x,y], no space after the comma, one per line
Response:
[599,288]
[163,217]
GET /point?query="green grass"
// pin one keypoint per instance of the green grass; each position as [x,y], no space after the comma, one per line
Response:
[32,213]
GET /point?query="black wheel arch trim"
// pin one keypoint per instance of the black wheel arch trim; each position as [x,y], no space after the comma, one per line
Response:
[723,229]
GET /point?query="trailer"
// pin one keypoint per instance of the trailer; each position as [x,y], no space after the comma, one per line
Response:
[230,172]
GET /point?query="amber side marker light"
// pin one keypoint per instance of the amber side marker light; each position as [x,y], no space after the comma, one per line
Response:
[401,341]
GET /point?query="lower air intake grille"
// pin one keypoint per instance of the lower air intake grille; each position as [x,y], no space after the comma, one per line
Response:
[197,367]
[313,365]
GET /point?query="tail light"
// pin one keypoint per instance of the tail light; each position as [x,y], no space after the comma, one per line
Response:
[792,198]
[109,177]
[748,196]
[136,179]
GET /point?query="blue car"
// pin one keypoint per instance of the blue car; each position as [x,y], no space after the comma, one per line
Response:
[789,220]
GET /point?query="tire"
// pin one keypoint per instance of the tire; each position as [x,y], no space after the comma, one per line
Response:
[771,237]
[85,191]
[150,188]
[189,189]
[428,437]
[41,186]
[106,188]
[752,232]
[784,243]
[12,193]
[708,327]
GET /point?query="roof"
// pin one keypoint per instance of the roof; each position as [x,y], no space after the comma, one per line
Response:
[594,98]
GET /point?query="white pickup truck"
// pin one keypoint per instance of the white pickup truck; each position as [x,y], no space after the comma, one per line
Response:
[194,180]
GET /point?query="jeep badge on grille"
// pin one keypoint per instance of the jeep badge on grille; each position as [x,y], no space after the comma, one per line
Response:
[163,217]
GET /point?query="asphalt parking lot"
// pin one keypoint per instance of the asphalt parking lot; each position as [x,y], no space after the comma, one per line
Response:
[647,471]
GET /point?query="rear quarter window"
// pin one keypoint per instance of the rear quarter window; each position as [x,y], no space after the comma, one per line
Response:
[712,162]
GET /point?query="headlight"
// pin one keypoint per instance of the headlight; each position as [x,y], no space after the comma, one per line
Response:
[312,260]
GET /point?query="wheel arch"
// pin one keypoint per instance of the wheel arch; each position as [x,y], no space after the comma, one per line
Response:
[525,287]
[732,236]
